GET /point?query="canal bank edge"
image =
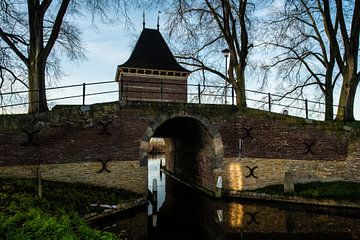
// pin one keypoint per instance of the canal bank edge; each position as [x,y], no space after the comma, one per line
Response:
[268,197]
[122,207]
[294,199]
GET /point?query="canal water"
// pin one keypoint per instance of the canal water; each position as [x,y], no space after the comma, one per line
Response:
[183,213]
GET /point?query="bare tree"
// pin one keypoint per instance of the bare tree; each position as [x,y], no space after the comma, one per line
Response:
[32,31]
[303,55]
[348,61]
[314,50]
[206,26]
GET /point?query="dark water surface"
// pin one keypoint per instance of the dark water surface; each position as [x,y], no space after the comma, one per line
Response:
[186,214]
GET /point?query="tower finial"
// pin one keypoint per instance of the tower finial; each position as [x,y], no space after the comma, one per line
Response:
[158,20]
[143,19]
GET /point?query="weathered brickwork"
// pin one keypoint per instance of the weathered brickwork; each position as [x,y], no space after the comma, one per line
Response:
[123,174]
[252,173]
[82,140]
[249,149]
[352,165]
[271,138]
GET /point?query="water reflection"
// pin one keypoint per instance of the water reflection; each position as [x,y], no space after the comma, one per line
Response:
[185,214]
[236,214]
[155,161]
[189,215]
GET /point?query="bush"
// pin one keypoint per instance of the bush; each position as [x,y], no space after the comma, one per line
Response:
[35,224]
[23,216]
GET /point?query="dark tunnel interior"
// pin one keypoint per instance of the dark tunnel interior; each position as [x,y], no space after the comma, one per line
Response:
[189,149]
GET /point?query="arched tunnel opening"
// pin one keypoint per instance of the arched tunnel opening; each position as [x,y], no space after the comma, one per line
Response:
[188,150]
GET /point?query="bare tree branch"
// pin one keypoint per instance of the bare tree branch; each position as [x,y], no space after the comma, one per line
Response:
[56,28]
[11,44]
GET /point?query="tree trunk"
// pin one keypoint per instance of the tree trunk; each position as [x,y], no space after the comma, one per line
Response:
[240,87]
[349,64]
[329,91]
[329,101]
[39,181]
[37,92]
[37,59]
[346,102]
[40,188]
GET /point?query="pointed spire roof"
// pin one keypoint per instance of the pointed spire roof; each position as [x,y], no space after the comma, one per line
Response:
[152,52]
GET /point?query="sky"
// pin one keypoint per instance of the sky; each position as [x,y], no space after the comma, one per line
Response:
[107,46]
[110,45]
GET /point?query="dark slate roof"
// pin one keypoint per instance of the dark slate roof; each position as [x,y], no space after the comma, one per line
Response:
[152,52]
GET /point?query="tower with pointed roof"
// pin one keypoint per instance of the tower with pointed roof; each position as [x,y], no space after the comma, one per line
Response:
[152,73]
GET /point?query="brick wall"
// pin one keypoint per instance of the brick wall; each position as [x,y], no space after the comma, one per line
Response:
[122,174]
[274,144]
[272,138]
[251,173]
[76,138]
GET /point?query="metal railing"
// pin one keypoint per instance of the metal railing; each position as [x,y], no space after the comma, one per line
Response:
[109,91]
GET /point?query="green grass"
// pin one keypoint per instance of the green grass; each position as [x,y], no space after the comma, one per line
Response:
[67,196]
[34,223]
[57,215]
[354,124]
[317,190]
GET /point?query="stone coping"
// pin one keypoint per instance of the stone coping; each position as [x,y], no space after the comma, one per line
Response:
[294,199]
[121,207]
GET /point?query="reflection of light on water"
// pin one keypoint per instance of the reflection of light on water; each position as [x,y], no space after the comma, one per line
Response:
[235,179]
[154,173]
[236,214]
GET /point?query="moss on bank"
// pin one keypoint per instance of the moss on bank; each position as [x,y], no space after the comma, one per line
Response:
[57,215]
[348,191]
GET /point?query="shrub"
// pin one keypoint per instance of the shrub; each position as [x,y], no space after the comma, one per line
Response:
[24,216]
[34,224]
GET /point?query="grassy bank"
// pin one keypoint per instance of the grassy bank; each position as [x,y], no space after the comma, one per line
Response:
[55,216]
[348,191]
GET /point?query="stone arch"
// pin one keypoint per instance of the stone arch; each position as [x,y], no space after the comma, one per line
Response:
[196,123]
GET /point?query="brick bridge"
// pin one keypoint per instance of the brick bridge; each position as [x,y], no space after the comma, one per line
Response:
[108,145]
